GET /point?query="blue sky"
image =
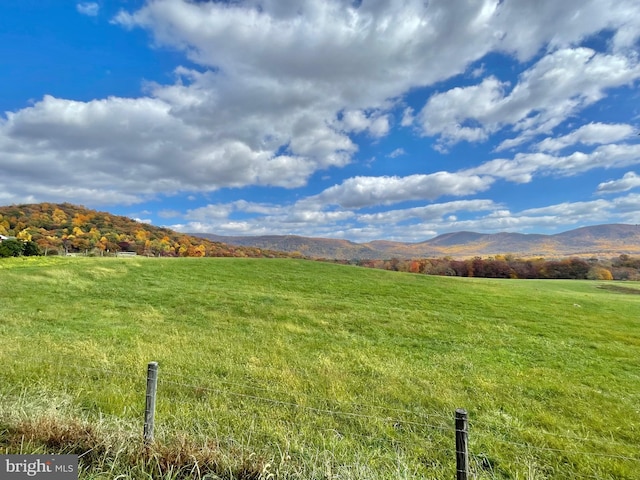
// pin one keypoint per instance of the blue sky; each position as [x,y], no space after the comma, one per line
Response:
[363,120]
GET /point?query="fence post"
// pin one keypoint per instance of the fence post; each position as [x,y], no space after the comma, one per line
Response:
[462,446]
[150,404]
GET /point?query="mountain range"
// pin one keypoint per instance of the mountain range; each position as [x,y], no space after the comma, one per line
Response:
[598,240]
[71,228]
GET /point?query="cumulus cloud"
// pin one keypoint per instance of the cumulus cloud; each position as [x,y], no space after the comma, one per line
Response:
[629,181]
[268,218]
[557,86]
[61,142]
[357,121]
[359,56]
[590,134]
[358,192]
[552,217]
[425,222]
[522,24]
[523,166]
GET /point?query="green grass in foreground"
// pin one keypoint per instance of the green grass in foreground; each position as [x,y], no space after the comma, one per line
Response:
[296,369]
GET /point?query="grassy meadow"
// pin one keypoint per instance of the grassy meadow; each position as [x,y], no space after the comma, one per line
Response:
[292,369]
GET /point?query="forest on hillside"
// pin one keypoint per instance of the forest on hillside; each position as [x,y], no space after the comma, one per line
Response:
[62,229]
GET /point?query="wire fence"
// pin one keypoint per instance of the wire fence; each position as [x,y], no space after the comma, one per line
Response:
[380,423]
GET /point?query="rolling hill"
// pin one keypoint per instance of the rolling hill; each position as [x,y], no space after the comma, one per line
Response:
[69,229]
[609,240]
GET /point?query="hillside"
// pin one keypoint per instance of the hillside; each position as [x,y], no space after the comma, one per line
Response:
[65,228]
[610,240]
[307,246]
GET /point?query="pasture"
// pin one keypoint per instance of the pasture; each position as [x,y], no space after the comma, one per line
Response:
[292,369]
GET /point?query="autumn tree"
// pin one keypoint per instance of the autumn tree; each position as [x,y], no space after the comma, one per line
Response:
[599,273]
[49,243]
[4,226]
[59,217]
[24,235]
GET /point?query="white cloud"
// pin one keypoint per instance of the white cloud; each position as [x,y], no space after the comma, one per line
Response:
[523,166]
[380,126]
[556,87]
[358,57]
[224,210]
[210,212]
[626,208]
[445,113]
[573,210]
[430,213]
[627,182]
[398,152]
[271,219]
[359,192]
[590,134]
[60,142]
[90,9]
[552,217]
[523,23]
[425,222]
[407,117]
[357,121]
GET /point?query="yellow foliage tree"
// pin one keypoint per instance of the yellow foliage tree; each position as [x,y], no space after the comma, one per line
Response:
[59,217]
[142,235]
[24,235]
[599,273]
[80,219]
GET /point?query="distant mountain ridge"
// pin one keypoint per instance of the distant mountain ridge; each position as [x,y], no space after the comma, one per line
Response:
[70,228]
[597,240]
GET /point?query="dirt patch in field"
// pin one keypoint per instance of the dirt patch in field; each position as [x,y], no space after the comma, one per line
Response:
[620,289]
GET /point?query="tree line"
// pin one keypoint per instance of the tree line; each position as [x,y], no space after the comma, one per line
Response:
[623,267]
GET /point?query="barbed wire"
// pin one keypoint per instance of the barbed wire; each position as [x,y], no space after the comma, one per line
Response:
[141,378]
[565,436]
[318,397]
[487,425]
[305,407]
[276,401]
[328,411]
[560,450]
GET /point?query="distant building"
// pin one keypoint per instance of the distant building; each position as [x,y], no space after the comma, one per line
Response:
[126,254]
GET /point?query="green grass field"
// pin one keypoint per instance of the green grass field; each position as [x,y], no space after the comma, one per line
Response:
[295,369]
